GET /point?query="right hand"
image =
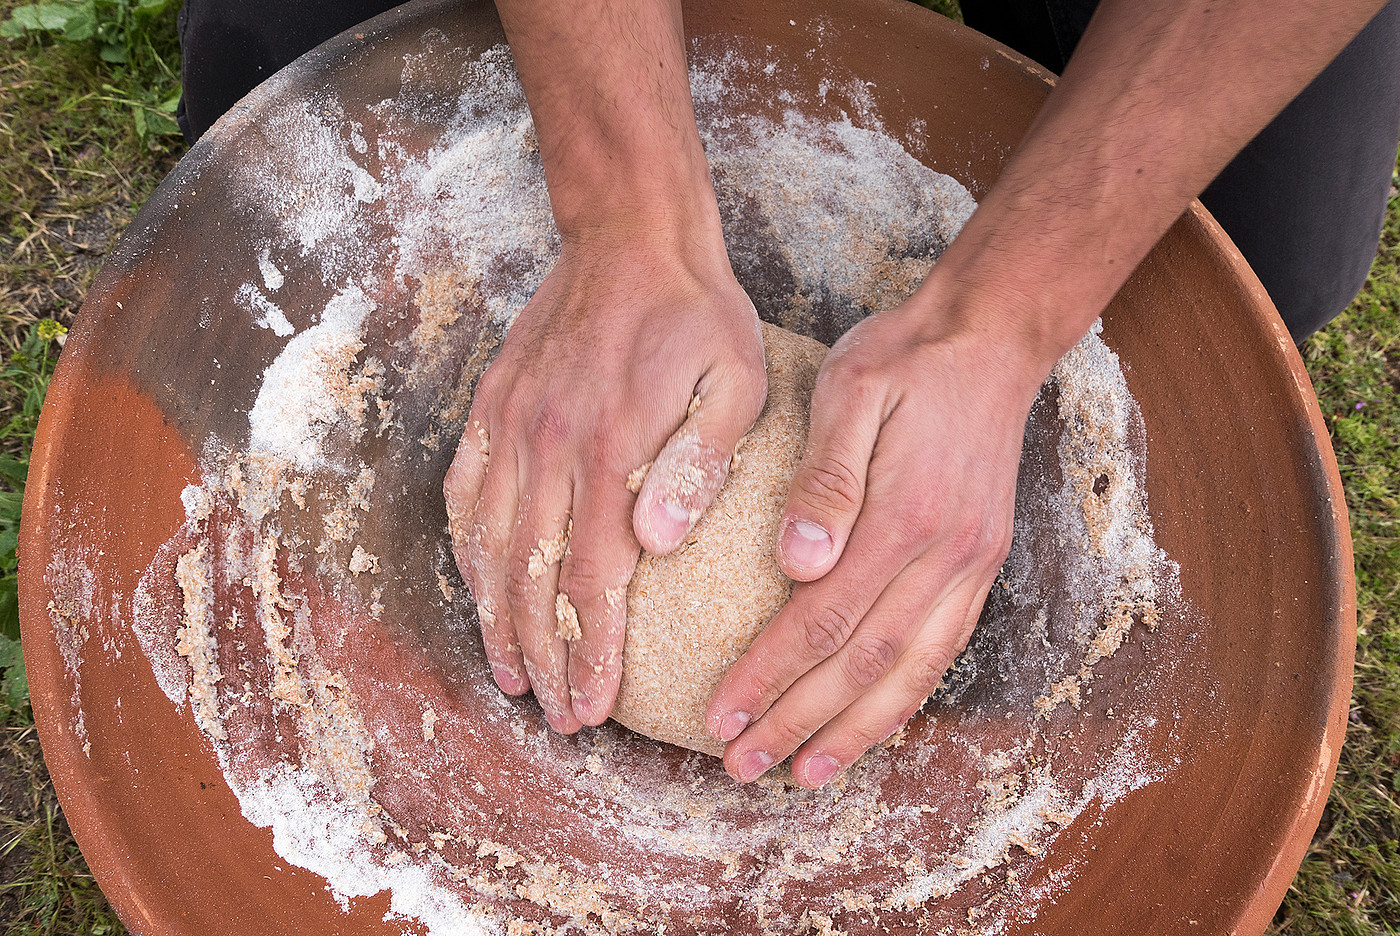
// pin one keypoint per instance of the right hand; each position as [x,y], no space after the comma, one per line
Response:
[629,353]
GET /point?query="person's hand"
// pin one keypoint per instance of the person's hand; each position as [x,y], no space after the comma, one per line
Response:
[626,351]
[899,518]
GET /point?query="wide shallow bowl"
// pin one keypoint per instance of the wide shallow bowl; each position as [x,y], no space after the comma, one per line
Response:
[258,680]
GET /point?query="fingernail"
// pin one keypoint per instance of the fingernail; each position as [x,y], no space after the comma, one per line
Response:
[821,769]
[508,681]
[753,764]
[669,521]
[733,725]
[583,707]
[806,544]
[557,722]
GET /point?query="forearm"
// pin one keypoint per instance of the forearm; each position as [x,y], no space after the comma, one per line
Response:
[1155,102]
[608,88]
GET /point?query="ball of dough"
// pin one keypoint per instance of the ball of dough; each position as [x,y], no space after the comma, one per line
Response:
[691,614]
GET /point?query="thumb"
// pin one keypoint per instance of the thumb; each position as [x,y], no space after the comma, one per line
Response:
[693,465]
[828,488]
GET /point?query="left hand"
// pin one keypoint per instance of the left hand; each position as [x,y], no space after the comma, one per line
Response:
[898,518]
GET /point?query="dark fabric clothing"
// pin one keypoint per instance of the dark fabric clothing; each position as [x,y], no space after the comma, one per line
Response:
[229,47]
[1304,201]
[1045,30]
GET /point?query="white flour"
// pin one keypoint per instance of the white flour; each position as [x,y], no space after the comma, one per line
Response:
[308,389]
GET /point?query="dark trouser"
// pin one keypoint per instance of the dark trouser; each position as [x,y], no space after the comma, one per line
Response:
[1304,201]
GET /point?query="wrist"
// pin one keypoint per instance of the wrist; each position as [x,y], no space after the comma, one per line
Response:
[670,232]
[1015,291]
[641,210]
[1015,344]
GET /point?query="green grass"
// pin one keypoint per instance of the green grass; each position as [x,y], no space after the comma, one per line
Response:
[1350,881]
[85,136]
[84,140]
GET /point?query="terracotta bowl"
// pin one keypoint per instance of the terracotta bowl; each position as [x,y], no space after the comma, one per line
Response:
[1174,793]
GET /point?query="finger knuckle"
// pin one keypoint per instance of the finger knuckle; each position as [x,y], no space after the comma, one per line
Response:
[786,734]
[831,487]
[926,667]
[923,514]
[550,428]
[549,689]
[522,589]
[862,736]
[998,541]
[457,477]
[986,540]
[968,542]
[868,658]
[459,513]
[461,557]
[826,629]
[513,415]
[486,543]
[593,666]
[605,449]
[752,381]
[587,580]
[488,389]
[855,381]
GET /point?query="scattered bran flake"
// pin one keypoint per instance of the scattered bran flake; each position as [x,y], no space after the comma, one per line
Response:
[196,638]
[440,301]
[1025,844]
[357,491]
[817,924]
[340,524]
[267,587]
[386,414]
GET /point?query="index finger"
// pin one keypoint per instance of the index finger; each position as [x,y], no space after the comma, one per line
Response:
[460,489]
[815,623]
[593,580]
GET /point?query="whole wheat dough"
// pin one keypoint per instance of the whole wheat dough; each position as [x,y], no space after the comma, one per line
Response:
[692,613]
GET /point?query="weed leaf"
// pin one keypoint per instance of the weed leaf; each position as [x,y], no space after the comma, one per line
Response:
[14,685]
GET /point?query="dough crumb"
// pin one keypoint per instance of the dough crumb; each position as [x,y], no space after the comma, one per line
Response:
[638,475]
[429,720]
[549,551]
[568,618]
[361,561]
